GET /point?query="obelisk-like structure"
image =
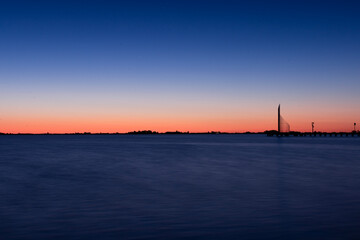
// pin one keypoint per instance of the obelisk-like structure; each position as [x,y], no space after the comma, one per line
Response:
[279,118]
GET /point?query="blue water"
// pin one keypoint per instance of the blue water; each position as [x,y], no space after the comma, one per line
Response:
[179,187]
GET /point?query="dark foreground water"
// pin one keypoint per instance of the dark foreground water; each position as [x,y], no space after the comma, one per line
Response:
[179,187]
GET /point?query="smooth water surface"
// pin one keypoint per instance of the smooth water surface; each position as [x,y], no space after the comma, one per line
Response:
[179,187]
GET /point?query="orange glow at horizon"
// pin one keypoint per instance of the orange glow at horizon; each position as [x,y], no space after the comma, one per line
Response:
[124,125]
[255,123]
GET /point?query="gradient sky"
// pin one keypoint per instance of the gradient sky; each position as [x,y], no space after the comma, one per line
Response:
[106,66]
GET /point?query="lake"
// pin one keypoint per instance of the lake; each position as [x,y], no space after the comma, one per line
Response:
[179,187]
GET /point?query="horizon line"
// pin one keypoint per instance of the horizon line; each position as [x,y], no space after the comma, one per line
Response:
[144,132]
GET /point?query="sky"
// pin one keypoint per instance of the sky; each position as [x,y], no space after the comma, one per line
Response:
[119,66]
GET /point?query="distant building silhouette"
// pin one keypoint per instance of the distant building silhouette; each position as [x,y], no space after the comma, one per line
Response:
[279,118]
[312,126]
[283,126]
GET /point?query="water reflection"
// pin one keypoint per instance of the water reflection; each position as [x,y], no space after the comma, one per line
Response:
[176,187]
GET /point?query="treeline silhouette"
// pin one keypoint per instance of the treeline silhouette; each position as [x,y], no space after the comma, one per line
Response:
[169,132]
[140,132]
[150,132]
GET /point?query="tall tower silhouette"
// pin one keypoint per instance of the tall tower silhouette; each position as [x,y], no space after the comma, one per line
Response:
[283,126]
[279,118]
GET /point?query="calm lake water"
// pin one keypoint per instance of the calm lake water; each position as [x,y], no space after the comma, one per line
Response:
[179,187]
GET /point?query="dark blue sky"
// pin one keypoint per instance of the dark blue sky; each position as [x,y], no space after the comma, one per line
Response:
[233,54]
